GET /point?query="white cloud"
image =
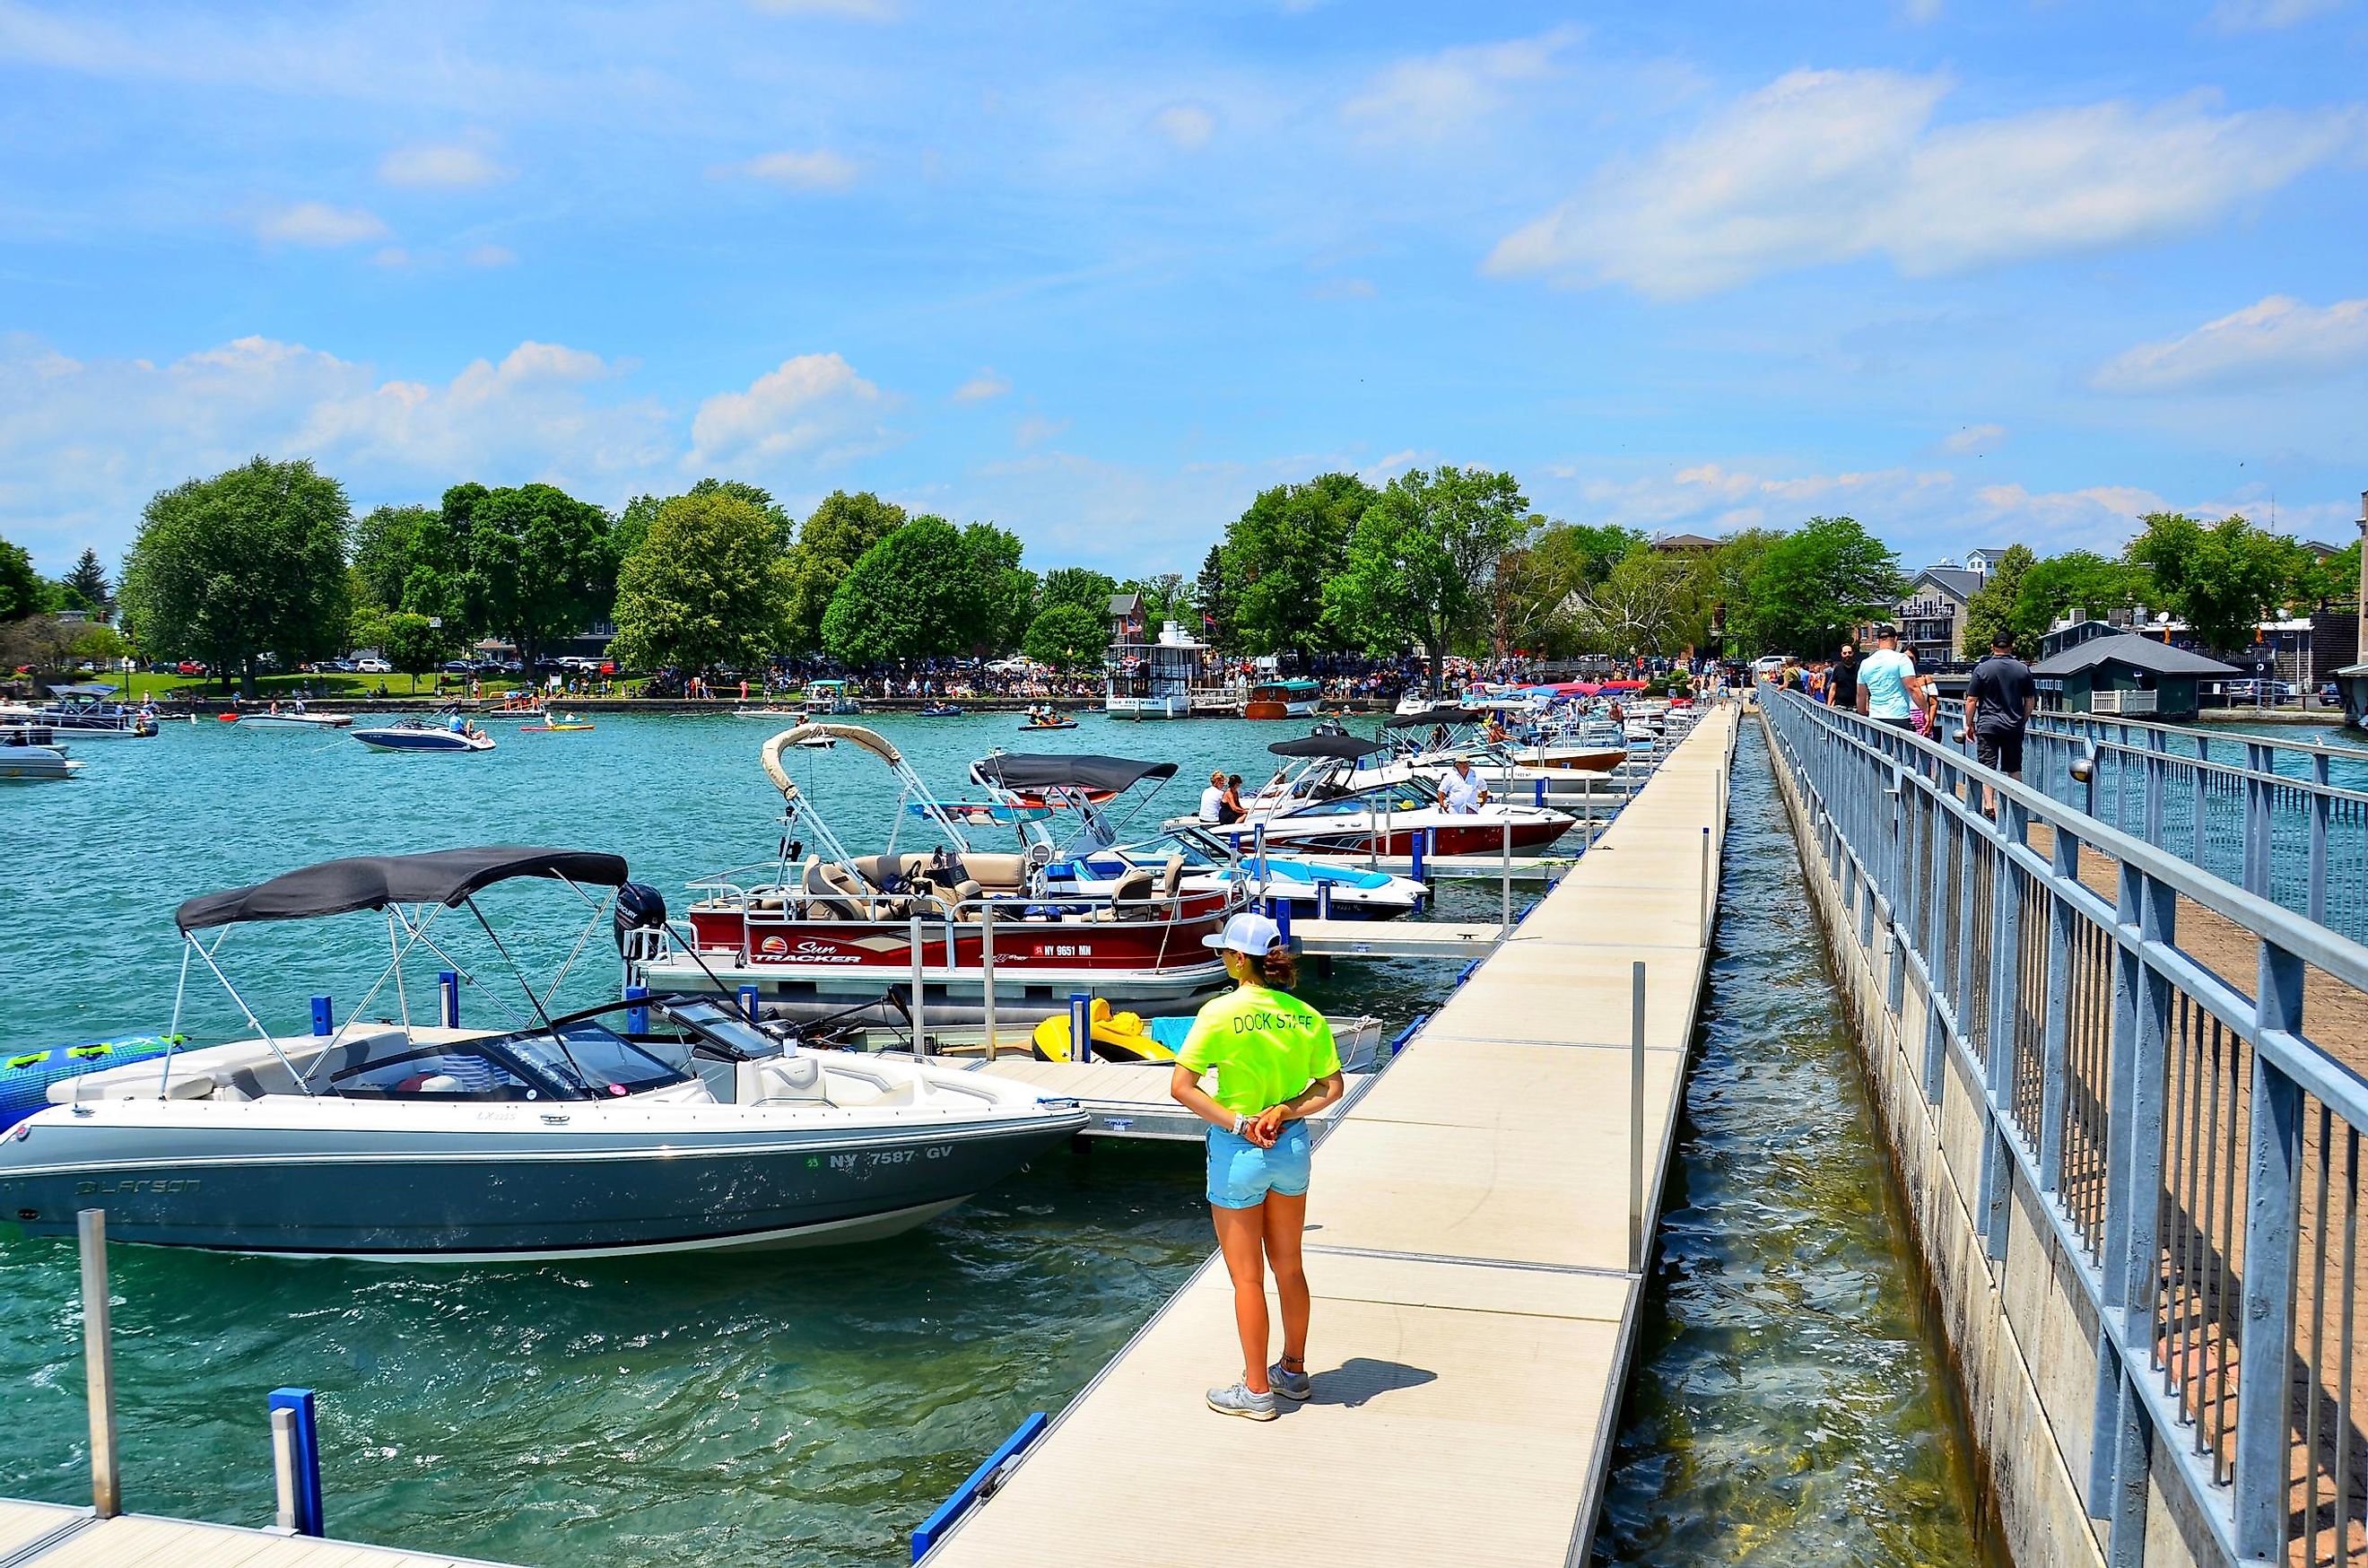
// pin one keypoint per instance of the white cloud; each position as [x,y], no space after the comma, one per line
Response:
[987,385]
[1923,13]
[1975,438]
[1189,126]
[1425,99]
[83,444]
[819,170]
[856,10]
[318,224]
[491,256]
[2097,516]
[2268,15]
[2279,341]
[452,166]
[1035,430]
[814,407]
[1824,167]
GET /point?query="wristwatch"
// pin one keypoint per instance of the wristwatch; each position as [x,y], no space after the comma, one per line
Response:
[1240,1121]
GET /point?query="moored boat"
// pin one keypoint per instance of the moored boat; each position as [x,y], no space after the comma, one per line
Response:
[86,712]
[1291,697]
[590,1133]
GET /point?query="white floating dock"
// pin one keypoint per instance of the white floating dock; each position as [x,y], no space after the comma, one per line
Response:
[1469,1249]
[43,1535]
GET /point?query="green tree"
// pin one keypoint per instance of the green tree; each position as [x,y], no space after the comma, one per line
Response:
[22,592]
[1167,595]
[709,589]
[2220,579]
[1080,586]
[1279,553]
[2078,579]
[249,562]
[1724,577]
[413,643]
[1423,560]
[632,526]
[1813,586]
[88,580]
[784,527]
[833,537]
[1002,592]
[914,595]
[1991,613]
[1067,635]
[540,566]
[2334,579]
[1649,604]
[386,548]
[1213,601]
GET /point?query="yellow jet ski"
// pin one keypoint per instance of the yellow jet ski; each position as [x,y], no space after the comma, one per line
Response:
[1117,1037]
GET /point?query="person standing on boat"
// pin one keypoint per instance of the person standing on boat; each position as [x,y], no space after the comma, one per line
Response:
[1274,1064]
[1462,791]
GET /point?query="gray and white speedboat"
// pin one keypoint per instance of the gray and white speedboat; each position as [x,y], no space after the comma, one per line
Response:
[596,1132]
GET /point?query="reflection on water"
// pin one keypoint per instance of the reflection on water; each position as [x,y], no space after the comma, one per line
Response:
[1793,1403]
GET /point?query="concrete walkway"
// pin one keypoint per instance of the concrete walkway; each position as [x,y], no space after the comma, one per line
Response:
[1468,1247]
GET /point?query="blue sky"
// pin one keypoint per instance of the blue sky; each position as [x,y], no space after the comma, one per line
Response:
[1971,274]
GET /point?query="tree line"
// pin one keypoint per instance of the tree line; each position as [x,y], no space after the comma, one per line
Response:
[267,562]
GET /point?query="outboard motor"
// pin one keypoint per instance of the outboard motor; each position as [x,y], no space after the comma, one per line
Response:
[640,918]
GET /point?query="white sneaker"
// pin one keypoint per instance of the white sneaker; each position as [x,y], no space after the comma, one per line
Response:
[1290,1384]
[1239,1400]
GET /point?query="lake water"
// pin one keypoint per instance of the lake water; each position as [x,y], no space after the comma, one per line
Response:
[809,1408]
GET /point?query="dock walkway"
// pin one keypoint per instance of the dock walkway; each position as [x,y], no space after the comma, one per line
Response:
[45,1535]
[1469,1246]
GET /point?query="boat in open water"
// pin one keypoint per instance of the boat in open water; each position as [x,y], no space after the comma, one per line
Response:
[601,1132]
[86,711]
[445,732]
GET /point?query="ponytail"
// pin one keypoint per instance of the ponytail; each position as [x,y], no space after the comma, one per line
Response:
[1278,969]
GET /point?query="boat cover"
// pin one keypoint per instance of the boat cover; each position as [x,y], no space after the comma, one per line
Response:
[1433,716]
[373,881]
[1055,770]
[1347,748]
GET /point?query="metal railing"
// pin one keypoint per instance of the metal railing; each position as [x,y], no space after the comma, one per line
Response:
[2138,1053]
[2285,820]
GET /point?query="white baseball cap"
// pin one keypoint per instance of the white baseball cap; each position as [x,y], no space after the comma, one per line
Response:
[1247,932]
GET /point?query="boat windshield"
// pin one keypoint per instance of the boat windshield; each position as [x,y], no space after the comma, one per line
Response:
[575,1060]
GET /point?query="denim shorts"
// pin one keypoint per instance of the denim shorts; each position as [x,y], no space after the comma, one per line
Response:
[1241,1174]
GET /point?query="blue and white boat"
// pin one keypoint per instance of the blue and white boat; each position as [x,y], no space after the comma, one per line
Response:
[667,1123]
[448,731]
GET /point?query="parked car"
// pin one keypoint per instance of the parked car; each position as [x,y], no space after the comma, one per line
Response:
[190,667]
[373,668]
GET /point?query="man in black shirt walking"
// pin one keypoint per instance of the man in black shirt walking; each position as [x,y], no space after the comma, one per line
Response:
[1842,685]
[1999,701]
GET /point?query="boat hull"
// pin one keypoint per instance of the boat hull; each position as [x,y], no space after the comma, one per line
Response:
[417,741]
[513,1193]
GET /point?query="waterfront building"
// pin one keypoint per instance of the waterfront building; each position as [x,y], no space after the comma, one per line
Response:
[1932,617]
[2122,673]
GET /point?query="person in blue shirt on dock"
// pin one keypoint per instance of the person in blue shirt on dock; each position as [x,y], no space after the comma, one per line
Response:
[1889,686]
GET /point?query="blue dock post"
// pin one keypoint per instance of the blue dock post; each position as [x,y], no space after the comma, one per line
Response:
[1540,798]
[448,985]
[1279,911]
[637,1019]
[324,1016]
[1081,1026]
[1323,898]
[1421,857]
[749,1003]
[301,1484]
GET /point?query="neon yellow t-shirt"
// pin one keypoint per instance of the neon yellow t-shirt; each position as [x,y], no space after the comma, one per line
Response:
[1264,1047]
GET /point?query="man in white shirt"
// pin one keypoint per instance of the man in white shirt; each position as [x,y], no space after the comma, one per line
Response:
[1461,792]
[1213,800]
[1889,689]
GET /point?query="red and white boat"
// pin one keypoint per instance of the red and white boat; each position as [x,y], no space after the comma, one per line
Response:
[838,935]
[1319,808]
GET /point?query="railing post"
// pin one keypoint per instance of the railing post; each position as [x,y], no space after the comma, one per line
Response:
[1504,915]
[2141,1045]
[1636,1244]
[2158,775]
[920,989]
[2321,815]
[99,1363]
[2265,1341]
[2057,1045]
[2259,801]
[986,975]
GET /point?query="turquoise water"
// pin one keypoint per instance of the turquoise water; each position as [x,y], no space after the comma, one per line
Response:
[1791,1405]
[809,1408]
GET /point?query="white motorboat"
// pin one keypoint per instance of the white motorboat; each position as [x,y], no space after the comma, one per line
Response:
[294,717]
[588,1134]
[448,732]
[1317,808]
[24,760]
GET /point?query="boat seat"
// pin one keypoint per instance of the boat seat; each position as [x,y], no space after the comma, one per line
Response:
[785,1080]
[880,870]
[832,893]
[269,1075]
[1171,876]
[1132,888]
[1004,873]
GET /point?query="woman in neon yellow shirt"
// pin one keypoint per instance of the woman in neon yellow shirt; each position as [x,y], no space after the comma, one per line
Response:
[1275,1064]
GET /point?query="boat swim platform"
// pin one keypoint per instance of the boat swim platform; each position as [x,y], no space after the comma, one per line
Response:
[1469,1246]
[45,1535]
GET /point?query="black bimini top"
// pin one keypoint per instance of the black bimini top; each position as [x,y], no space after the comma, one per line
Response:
[1347,748]
[1059,770]
[1433,716]
[373,881]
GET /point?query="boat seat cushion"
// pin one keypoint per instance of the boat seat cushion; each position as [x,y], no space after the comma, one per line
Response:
[1002,872]
[1132,888]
